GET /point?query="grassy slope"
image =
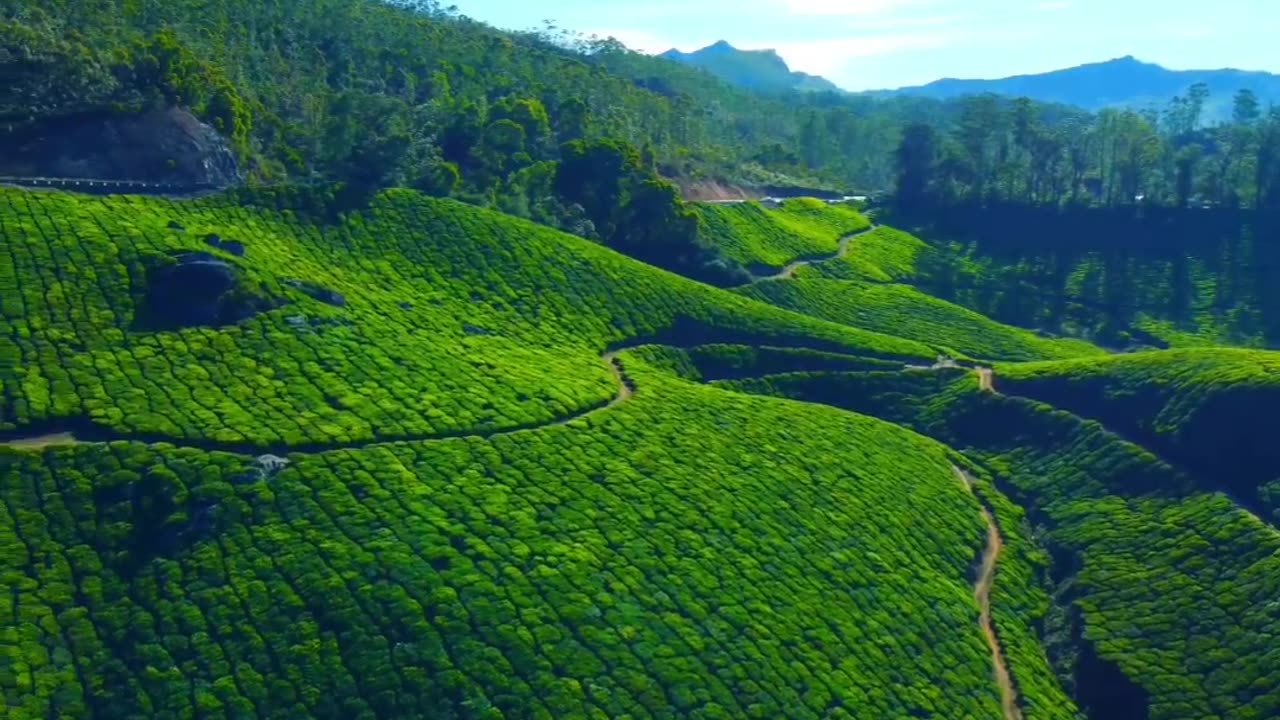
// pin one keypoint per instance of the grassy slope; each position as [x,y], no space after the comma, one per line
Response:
[1174,586]
[692,553]
[882,255]
[503,325]
[907,312]
[760,237]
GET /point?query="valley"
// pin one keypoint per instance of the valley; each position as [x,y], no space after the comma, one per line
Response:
[440,395]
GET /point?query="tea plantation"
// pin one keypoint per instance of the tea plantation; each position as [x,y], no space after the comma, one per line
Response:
[426,318]
[1165,596]
[910,313]
[1205,409]
[261,458]
[768,238]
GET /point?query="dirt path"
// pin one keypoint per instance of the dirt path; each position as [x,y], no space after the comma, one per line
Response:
[986,380]
[842,249]
[982,594]
[63,438]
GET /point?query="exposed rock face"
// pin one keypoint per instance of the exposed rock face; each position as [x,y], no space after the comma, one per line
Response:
[197,289]
[160,146]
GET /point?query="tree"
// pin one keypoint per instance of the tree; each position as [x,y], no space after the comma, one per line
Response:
[595,175]
[917,158]
[1245,108]
[1186,161]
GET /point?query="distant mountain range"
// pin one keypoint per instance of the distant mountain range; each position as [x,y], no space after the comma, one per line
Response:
[1123,82]
[755,69]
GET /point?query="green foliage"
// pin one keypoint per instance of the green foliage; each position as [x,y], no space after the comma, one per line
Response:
[1163,594]
[1016,151]
[1191,406]
[576,571]
[907,312]
[769,238]
[883,255]
[633,210]
[455,320]
[718,362]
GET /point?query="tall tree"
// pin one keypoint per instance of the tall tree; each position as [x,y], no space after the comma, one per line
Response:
[917,157]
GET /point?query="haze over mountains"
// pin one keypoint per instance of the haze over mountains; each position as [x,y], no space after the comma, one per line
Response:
[1122,82]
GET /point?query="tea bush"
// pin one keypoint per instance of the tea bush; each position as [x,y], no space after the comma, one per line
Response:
[691,553]
[907,312]
[451,320]
[1203,409]
[1165,594]
[768,238]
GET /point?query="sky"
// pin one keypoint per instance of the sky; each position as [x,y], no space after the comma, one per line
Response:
[866,44]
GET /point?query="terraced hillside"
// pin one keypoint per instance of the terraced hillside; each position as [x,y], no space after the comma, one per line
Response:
[766,239]
[1163,592]
[599,563]
[907,312]
[1205,409]
[259,459]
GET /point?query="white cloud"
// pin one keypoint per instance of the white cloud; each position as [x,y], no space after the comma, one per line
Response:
[829,57]
[639,40]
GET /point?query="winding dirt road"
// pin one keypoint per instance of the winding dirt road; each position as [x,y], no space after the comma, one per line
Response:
[842,249]
[986,380]
[65,437]
[982,594]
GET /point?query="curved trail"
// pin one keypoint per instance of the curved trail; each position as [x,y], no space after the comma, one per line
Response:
[982,594]
[986,380]
[62,437]
[842,249]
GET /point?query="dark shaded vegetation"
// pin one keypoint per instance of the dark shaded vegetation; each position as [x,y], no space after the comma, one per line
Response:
[1126,277]
[1203,409]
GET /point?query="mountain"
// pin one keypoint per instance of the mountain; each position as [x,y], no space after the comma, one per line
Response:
[754,69]
[1123,82]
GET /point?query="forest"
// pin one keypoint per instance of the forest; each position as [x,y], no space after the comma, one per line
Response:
[1001,152]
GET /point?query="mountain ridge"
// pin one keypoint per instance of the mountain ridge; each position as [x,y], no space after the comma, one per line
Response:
[1119,82]
[762,69]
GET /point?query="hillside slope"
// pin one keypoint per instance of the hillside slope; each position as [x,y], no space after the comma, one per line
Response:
[1147,571]
[443,319]
[682,552]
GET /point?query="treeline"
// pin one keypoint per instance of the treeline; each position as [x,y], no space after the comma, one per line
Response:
[998,151]
[313,88]
[541,124]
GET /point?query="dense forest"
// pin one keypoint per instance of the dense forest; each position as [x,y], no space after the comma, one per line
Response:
[307,88]
[1004,152]
[575,133]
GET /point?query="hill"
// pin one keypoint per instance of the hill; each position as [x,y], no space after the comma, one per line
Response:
[468,512]
[761,70]
[1123,82]
[1128,537]
[266,454]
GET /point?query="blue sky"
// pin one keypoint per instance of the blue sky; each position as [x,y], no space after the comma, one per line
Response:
[861,44]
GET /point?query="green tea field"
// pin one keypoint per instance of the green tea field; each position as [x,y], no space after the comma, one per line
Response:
[421,459]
